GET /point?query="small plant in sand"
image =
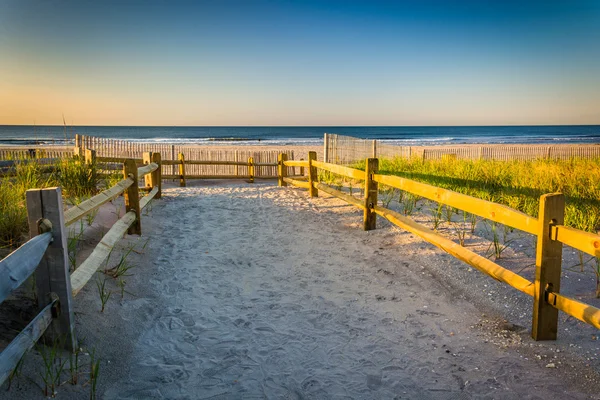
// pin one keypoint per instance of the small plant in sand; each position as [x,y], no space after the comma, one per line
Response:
[73,245]
[16,372]
[386,195]
[74,365]
[102,292]
[496,245]
[461,230]
[123,266]
[53,366]
[473,222]
[94,372]
[410,203]
[436,214]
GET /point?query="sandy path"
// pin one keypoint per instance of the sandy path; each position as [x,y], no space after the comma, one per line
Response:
[260,292]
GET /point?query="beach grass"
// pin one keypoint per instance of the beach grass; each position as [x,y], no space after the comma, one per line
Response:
[77,180]
[517,184]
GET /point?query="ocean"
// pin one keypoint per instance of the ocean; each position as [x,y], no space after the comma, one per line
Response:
[23,135]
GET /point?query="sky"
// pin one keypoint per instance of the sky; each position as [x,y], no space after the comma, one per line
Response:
[280,63]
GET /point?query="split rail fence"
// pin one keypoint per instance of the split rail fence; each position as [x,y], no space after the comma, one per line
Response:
[549,229]
[46,255]
[340,149]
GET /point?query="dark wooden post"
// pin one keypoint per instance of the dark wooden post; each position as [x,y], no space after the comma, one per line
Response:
[181,159]
[302,168]
[371,188]
[312,174]
[281,169]
[547,267]
[45,212]
[132,196]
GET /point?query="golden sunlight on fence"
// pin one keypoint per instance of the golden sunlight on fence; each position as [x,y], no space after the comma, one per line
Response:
[549,229]
[46,254]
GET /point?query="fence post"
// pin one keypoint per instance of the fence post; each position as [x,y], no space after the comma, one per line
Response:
[312,174]
[157,174]
[52,274]
[148,178]
[547,267]
[281,169]
[90,159]
[302,168]
[132,196]
[371,189]
[325,148]
[374,148]
[181,159]
[251,169]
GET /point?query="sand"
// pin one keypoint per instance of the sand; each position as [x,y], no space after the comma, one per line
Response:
[255,291]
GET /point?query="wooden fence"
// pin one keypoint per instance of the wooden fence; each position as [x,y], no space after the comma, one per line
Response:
[211,162]
[45,254]
[339,149]
[549,229]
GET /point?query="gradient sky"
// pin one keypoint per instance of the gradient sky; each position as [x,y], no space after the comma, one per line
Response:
[273,62]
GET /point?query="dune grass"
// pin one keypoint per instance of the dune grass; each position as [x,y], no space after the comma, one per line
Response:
[517,184]
[78,181]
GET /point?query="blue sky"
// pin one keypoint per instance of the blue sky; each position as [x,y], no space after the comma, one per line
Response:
[300,62]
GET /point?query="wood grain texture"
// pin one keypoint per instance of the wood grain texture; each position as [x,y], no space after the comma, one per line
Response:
[486,209]
[547,267]
[341,195]
[371,189]
[583,312]
[132,196]
[78,211]
[21,263]
[147,198]
[91,264]
[282,169]
[146,169]
[52,274]
[296,182]
[340,170]
[25,340]
[585,241]
[312,174]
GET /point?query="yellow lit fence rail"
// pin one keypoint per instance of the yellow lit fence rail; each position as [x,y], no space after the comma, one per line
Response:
[45,254]
[549,229]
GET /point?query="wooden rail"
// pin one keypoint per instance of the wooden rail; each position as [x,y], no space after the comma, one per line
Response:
[549,229]
[47,249]
[21,263]
[25,340]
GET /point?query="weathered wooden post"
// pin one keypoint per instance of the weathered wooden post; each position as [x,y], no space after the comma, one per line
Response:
[90,157]
[281,169]
[148,178]
[45,212]
[371,189]
[181,159]
[374,145]
[132,196]
[547,267]
[302,168]
[325,148]
[312,175]
[90,160]
[157,174]
[251,169]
